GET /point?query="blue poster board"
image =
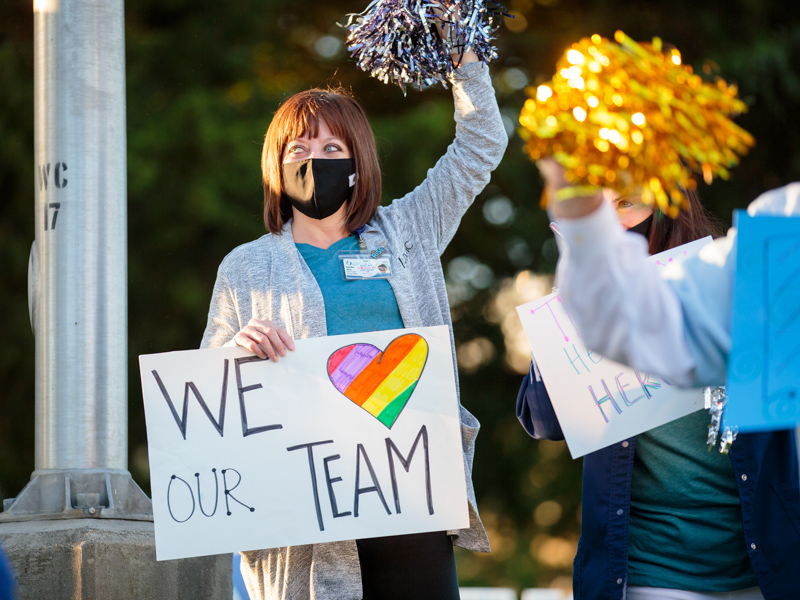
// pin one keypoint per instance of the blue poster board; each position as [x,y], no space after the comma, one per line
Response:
[764,363]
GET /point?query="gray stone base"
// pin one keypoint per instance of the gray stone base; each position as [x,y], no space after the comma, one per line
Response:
[98,559]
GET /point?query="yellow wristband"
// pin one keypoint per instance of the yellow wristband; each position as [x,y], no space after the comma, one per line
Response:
[575,191]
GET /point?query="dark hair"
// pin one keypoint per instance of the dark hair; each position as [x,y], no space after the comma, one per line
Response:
[301,114]
[691,224]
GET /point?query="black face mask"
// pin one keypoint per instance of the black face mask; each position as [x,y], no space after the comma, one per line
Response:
[318,187]
[643,228]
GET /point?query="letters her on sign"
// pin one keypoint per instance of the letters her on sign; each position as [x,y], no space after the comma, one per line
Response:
[611,387]
[248,454]
[599,402]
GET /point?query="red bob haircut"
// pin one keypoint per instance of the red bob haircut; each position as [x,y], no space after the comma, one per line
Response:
[299,115]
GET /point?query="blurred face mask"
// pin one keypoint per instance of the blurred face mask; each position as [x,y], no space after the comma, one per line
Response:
[318,187]
[643,228]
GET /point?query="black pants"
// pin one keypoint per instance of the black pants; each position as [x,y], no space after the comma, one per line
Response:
[420,566]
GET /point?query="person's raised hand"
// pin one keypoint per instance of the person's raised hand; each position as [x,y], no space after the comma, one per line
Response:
[440,9]
[265,339]
[567,201]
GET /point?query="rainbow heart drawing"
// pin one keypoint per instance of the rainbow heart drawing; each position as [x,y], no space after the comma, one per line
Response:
[380,382]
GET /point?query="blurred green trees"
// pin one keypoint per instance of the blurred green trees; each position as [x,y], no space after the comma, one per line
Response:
[204,79]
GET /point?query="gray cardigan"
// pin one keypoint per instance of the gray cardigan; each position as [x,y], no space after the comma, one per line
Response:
[268,279]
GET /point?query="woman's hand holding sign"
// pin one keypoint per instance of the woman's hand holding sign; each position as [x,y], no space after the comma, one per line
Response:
[265,339]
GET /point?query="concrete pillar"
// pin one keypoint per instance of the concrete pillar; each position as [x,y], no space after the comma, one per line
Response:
[97,559]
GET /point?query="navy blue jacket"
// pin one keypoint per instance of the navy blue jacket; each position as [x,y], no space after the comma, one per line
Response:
[767,476]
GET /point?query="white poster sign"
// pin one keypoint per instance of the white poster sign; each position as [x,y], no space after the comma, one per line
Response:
[599,402]
[347,437]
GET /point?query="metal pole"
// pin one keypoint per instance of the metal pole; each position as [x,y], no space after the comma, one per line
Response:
[81,301]
[78,268]
[97,543]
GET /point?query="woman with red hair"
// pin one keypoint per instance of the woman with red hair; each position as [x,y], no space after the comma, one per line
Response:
[322,189]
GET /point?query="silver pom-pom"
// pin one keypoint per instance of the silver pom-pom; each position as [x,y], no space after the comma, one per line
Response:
[420,42]
[715,400]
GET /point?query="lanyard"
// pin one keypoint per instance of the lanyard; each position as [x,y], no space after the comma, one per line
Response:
[362,245]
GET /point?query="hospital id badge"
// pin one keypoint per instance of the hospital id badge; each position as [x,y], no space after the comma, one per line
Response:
[365,265]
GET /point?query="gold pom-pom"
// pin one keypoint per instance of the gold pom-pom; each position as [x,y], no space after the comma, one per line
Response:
[634,118]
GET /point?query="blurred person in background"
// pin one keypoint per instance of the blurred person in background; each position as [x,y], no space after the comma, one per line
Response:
[662,517]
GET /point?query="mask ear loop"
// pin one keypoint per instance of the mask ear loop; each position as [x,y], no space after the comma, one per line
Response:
[362,245]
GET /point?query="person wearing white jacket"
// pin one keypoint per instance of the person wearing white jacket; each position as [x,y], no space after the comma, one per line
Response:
[675,323]
[622,305]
